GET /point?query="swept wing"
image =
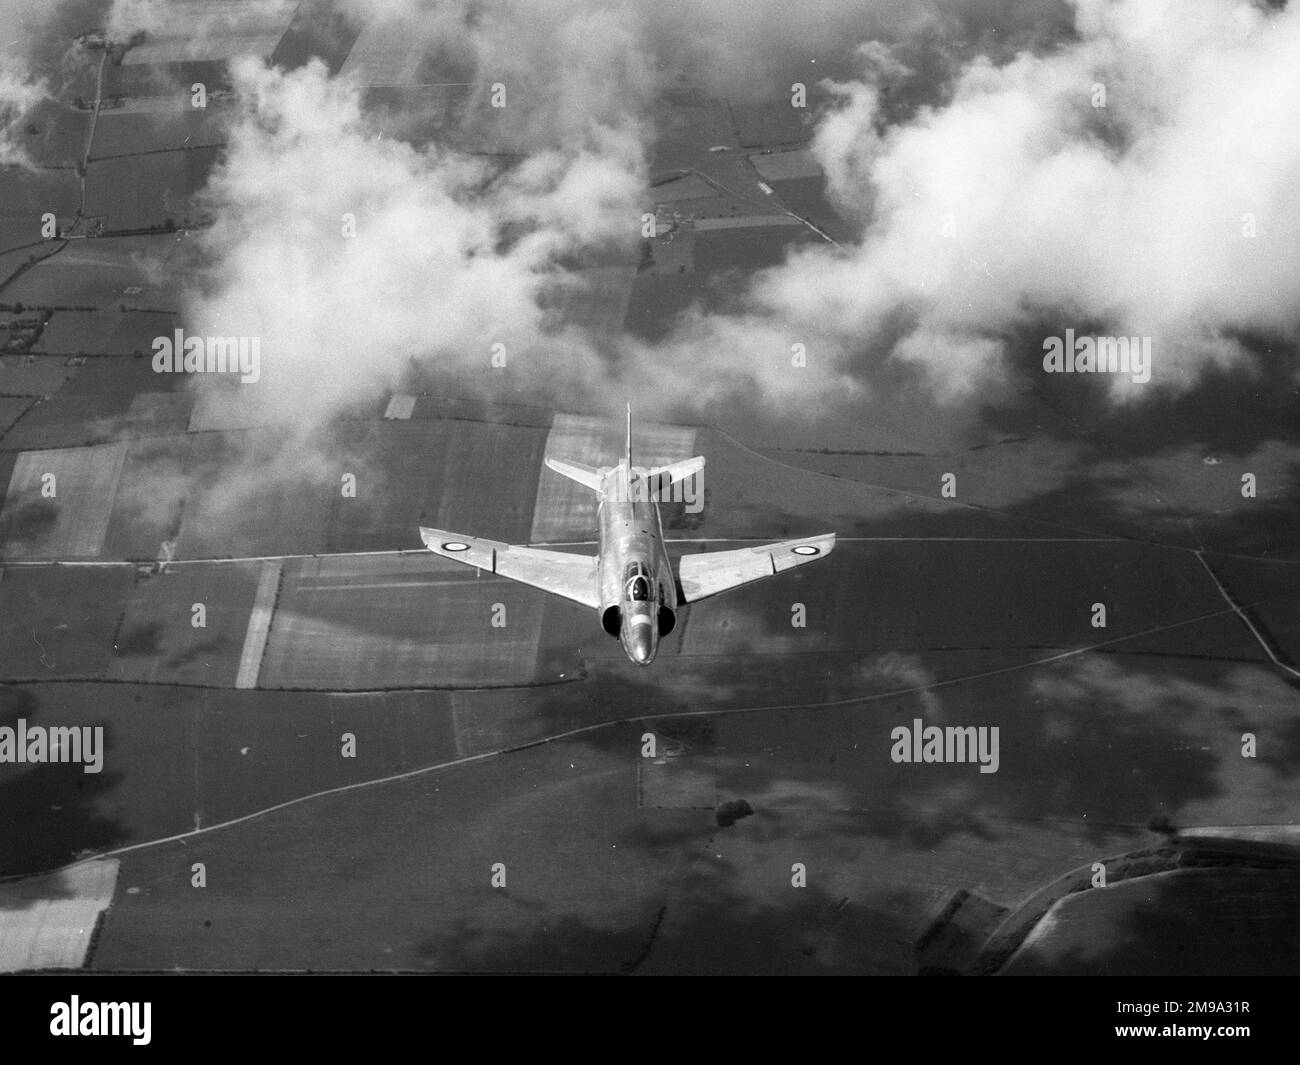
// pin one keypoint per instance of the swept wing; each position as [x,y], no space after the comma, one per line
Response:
[570,576]
[712,572]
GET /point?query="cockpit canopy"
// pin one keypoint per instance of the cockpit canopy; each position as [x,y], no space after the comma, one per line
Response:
[636,579]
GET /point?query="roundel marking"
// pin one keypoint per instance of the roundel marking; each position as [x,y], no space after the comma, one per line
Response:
[455,545]
[806,549]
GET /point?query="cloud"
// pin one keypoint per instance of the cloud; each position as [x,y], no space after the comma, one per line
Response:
[163,18]
[454,253]
[992,194]
[1019,199]
[21,85]
[451,253]
[41,62]
[18,95]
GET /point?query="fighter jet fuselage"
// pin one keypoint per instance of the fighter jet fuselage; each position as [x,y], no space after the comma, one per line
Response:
[638,591]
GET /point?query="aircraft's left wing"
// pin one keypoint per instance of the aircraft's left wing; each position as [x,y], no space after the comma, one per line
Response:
[712,572]
[570,576]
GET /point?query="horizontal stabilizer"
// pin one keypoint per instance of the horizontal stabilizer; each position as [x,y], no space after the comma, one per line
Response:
[662,476]
[576,471]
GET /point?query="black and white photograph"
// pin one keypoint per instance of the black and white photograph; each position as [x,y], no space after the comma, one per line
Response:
[692,487]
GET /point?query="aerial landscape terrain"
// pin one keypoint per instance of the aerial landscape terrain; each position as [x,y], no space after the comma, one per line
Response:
[827,248]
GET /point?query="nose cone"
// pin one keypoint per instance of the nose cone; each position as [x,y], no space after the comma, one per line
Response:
[639,643]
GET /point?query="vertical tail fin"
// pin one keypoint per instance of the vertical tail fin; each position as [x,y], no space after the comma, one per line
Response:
[628,457]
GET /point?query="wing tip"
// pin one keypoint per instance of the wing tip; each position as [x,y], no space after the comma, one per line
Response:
[814,546]
[441,542]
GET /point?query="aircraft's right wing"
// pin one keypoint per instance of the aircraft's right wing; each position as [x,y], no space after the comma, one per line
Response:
[557,572]
[712,572]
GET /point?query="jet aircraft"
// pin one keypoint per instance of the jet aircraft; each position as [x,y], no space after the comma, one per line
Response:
[630,580]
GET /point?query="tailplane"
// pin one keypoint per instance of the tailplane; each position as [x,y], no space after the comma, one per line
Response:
[678,471]
[655,480]
[576,471]
[662,478]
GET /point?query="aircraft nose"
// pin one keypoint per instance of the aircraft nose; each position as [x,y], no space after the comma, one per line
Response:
[640,645]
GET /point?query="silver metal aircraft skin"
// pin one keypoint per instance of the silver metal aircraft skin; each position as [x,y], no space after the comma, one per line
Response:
[630,581]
